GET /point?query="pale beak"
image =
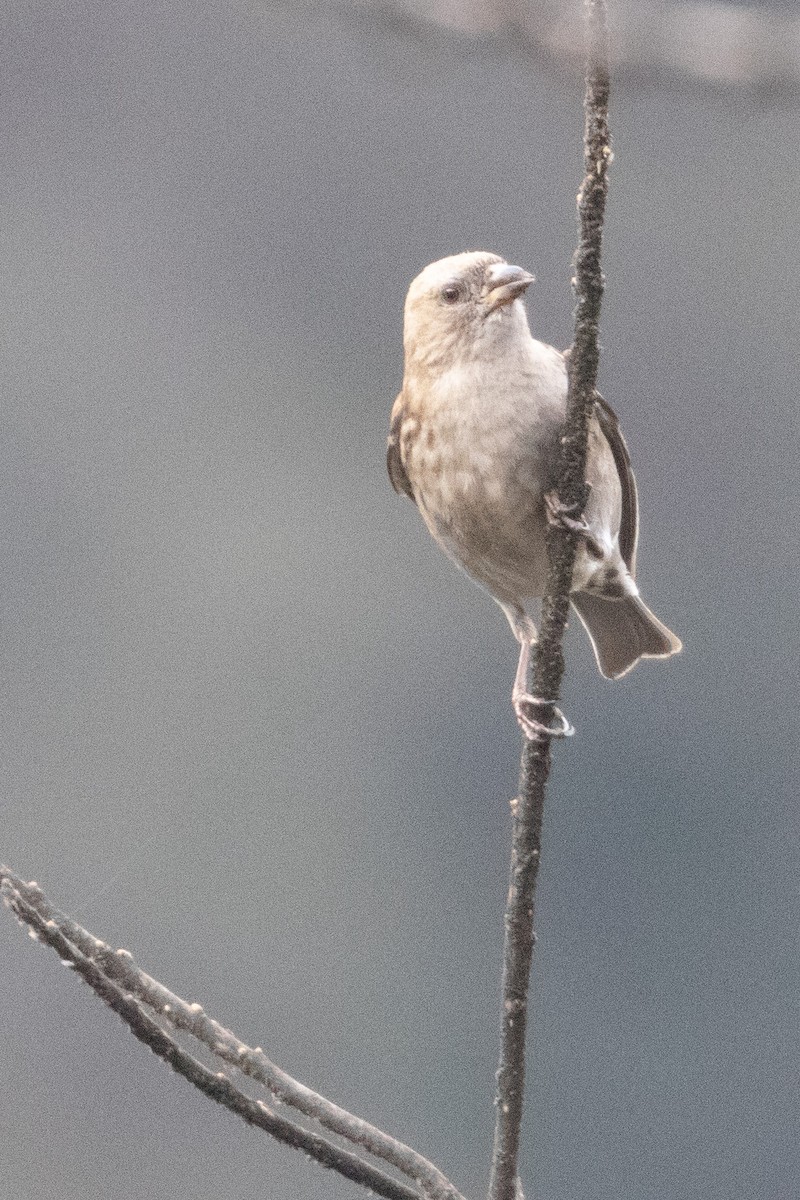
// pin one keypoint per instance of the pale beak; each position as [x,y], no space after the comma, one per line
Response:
[504,285]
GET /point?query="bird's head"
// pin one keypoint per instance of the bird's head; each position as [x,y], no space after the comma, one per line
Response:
[464,306]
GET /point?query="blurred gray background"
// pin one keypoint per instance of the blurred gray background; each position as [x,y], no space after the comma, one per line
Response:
[257,729]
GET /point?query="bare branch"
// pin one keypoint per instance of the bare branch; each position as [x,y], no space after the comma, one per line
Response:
[549,662]
[114,976]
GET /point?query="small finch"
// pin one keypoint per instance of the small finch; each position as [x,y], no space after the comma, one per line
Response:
[474,442]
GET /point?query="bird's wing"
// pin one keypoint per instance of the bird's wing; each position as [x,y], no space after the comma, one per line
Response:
[629,525]
[394,462]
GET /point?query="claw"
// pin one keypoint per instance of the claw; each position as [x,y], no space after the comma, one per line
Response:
[560,515]
[534,729]
[524,702]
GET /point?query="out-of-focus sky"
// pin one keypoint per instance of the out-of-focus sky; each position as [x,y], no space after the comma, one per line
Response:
[257,730]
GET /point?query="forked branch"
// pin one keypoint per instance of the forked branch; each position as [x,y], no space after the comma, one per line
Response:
[129,991]
[116,979]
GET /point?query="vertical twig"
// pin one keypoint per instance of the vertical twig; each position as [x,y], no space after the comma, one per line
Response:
[549,662]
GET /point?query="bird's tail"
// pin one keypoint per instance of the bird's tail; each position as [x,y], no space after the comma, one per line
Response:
[622,632]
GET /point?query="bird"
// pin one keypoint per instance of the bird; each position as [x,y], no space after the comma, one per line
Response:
[474,442]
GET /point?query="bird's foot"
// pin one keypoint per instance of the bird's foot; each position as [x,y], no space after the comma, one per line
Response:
[563,516]
[526,706]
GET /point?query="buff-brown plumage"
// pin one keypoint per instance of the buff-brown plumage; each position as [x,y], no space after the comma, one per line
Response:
[474,443]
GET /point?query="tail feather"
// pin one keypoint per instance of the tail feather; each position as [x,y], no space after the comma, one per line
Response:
[623,631]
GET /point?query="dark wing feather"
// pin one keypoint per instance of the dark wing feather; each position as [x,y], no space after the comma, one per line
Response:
[629,527]
[394,462]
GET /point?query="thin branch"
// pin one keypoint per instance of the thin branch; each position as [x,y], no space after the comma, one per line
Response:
[549,662]
[114,976]
[116,979]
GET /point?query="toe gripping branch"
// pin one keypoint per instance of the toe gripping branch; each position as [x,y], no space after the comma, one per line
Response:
[534,729]
[572,517]
[528,707]
[564,516]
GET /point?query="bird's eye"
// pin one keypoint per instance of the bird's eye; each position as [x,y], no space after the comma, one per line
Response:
[451,293]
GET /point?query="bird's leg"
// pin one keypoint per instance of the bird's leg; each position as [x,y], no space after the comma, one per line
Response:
[563,516]
[519,692]
[525,704]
